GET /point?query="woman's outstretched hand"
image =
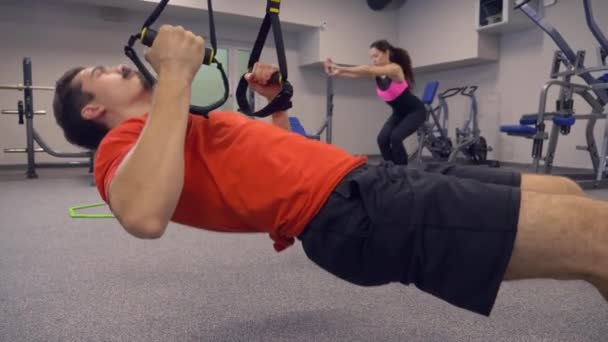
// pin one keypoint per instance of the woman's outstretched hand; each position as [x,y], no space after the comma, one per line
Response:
[330,67]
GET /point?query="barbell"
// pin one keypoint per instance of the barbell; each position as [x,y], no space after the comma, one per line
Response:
[21,87]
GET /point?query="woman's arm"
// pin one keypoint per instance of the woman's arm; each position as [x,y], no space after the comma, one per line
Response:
[347,74]
[391,70]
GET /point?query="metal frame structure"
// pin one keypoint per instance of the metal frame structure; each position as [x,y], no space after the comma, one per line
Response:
[26,110]
[593,92]
[433,135]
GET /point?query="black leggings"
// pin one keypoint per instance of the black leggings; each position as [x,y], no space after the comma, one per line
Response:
[397,128]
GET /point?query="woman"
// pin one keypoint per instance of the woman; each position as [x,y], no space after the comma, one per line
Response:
[392,69]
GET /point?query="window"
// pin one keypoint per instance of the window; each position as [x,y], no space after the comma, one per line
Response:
[207,86]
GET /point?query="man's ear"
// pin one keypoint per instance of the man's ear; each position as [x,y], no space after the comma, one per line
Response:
[92,111]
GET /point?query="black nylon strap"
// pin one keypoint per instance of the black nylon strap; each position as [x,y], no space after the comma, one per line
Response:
[260,41]
[212,35]
[147,35]
[283,100]
[278,34]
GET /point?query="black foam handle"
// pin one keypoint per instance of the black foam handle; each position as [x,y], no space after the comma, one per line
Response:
[149,35]
[276,79]
[21,111]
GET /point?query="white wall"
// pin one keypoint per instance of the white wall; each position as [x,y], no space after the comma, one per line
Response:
[440,33]
[58,37]
[511,86]
[346,24]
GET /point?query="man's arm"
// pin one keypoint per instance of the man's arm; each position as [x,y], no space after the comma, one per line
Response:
[145,189]
[147,185]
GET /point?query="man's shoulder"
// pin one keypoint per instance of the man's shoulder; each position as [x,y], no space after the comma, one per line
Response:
[228,116]
[131,125]
[126,132]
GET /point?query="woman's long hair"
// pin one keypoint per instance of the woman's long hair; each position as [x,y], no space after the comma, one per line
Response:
[397,55]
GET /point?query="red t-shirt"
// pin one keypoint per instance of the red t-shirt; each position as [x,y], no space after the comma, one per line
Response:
[241,175]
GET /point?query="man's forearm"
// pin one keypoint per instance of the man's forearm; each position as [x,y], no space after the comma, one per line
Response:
[147,186]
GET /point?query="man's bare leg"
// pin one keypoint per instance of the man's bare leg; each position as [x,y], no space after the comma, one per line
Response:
[550,185]
[561,237]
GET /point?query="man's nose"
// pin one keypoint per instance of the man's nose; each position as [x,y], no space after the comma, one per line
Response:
[119,68]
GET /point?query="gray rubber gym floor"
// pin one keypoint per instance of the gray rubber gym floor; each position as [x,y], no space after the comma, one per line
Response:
[63,279]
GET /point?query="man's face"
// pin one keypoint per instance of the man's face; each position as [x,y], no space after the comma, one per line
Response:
[113,88]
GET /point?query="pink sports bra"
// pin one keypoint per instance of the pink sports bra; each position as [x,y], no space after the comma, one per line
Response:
[390,91]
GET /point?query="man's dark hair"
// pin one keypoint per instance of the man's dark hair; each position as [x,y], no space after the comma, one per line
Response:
[67,106]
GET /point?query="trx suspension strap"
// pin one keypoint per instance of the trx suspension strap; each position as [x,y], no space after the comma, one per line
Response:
[283,100]
[147,36]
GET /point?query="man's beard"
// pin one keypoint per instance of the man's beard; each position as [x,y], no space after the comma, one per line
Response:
[127,73]
[144,82]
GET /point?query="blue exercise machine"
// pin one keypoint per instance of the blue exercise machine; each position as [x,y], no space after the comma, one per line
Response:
[433,135]
[567,64]
[296,125]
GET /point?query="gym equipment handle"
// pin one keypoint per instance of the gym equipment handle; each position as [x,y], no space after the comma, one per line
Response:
[21,150]
[148,36]
[283,100]
[451,92]
[520,3]
[16,112]
[21,87]
[469,91]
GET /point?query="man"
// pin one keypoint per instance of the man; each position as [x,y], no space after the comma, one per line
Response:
[455,233]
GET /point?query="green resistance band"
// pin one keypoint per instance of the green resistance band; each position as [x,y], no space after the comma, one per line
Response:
[74,211]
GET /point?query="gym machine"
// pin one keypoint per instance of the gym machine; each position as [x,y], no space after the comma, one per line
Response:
[326,127]
[25,110]
[433,135]
[567,64]
[469,140]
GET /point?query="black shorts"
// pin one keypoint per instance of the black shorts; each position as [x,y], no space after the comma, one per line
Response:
[448,230]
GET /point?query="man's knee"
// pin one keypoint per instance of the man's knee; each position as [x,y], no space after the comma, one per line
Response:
[551,185]
[570,187]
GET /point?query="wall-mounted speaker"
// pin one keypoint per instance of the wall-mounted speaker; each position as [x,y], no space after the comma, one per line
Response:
[385,5]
